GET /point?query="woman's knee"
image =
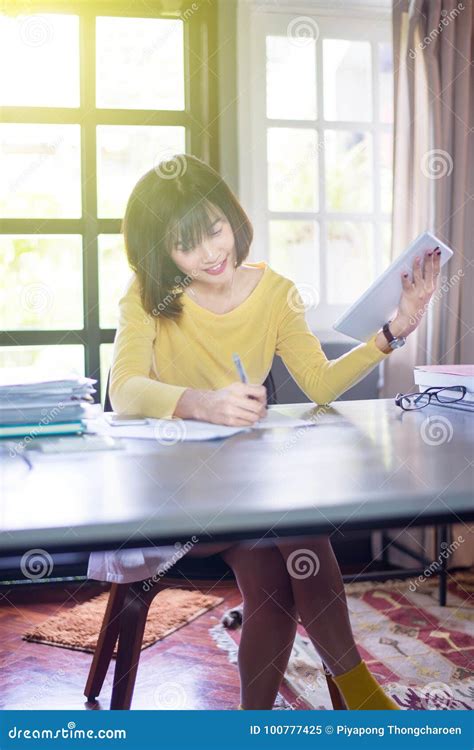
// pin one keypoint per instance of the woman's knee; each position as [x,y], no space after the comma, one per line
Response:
[291,544]
[262,578]
[207,549]
[305,554]
[311,566]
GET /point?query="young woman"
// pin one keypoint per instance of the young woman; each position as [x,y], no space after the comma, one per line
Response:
[191,303]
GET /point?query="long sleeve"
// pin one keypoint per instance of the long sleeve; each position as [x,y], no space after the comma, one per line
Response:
[132,390]
[321,379]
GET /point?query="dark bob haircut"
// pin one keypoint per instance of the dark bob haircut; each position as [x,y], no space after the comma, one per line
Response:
[176,200]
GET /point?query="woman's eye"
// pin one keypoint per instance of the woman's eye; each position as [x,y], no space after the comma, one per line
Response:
[216,231]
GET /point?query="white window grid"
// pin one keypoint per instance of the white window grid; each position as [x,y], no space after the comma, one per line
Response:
[257,20]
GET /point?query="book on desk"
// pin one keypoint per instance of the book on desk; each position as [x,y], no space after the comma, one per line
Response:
[448,376]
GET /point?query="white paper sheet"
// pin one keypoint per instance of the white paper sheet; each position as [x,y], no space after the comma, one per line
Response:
[165,430]
[178,430]
[277,418]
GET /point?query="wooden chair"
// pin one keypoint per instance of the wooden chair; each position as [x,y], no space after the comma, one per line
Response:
[126,614]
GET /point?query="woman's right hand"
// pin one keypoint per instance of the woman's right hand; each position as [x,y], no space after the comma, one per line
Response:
[236,405]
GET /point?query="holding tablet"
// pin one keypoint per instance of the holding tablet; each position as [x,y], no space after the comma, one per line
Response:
[377,305]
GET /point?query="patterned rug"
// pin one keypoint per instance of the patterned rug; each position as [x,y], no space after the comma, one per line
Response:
[421,653]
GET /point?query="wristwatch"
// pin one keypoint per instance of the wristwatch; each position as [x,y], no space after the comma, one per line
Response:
[394,342]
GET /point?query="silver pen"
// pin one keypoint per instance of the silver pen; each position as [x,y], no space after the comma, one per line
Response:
[240,369]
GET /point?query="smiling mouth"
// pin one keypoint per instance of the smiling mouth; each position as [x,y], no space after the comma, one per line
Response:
[218,268]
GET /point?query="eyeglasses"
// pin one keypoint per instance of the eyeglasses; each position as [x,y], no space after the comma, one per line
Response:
[447,395]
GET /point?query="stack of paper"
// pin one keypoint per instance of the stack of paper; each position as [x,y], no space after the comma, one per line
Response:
[38,403]
[448,376]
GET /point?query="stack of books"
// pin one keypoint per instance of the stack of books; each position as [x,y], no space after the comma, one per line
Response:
[443,376]
[32,404]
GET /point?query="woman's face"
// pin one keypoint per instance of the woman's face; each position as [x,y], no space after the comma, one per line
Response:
[212,261]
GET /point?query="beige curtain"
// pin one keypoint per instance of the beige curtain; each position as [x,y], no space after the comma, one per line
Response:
[433,188]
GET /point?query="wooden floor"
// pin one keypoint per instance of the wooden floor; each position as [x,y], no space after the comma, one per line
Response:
[186,670]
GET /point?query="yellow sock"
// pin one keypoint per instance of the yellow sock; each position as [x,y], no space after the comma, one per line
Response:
[362,692]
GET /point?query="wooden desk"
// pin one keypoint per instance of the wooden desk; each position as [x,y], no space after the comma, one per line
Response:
[364,465]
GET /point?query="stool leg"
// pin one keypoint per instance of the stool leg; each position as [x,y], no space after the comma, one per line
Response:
[442,542]
[335,694]
[106,642]
[132,628]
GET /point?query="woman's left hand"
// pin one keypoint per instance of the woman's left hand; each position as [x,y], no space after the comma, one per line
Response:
[416,294]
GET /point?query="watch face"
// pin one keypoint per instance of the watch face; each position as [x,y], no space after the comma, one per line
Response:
[397,343]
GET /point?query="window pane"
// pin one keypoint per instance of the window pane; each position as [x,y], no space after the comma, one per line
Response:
[124,154]
[41,172]
[294,252]
[386,244]
[114,272]
[106,352]
[386,171]
[291,78]
[42,282]
[348,170]
[54,358]
[292,169]
[347,80]
[140,63]
[41,55]
[350,266]
[386,82]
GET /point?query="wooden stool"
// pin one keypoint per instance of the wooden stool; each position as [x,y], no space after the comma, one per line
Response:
[124,619]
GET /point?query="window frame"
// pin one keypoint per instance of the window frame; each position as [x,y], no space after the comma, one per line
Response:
[199,118]
[369,21]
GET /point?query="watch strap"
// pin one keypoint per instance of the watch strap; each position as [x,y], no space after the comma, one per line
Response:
[387,333]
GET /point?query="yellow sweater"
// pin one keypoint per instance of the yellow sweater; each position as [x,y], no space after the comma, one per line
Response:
[155,359]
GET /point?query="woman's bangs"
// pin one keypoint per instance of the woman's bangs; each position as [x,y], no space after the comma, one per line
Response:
[191,224]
